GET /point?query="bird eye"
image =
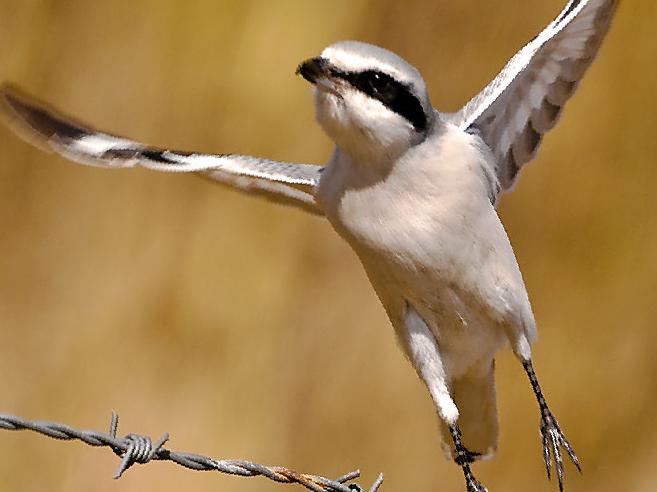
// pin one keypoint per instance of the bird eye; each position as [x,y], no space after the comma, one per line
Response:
[378,84]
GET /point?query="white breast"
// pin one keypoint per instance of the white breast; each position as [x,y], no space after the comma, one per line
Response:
[426,233]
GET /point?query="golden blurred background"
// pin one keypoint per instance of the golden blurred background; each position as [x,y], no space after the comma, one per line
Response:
[248,330]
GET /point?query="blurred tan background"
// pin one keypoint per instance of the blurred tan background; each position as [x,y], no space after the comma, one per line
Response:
[249,331]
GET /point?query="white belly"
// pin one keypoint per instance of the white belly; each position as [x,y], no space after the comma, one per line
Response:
[429,236]
[465,330]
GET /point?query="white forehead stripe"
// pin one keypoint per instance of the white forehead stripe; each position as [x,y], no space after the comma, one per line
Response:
[355,56]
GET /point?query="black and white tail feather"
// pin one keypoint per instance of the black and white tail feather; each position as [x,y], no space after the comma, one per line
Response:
[283,182]
[511,114]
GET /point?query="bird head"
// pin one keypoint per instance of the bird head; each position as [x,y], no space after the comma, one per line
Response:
[367,99]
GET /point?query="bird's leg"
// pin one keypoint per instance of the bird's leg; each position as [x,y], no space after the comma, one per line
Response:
[463,458]
[425,355]
[551,435]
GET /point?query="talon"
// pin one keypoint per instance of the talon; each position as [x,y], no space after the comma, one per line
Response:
[551,436]
[546,453]
[553,440]
[463,459]
[474,485]
[477,488]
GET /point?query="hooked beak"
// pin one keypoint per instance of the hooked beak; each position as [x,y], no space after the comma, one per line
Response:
[313,69]
[317,71]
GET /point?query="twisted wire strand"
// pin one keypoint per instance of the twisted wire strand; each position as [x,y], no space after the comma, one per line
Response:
[136,448]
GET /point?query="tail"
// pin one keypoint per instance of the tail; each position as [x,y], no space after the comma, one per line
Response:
[474,395]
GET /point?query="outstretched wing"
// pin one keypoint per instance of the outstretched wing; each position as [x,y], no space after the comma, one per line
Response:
[524,101]
[283,182]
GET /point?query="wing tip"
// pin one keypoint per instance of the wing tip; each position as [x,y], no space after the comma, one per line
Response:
[11,93]
[10,101]
[14,104]
[34,121]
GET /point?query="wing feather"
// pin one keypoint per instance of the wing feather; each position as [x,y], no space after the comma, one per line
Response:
[524,101]
[283,182]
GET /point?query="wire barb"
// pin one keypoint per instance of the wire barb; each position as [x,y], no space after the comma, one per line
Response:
[140,448]
[136,448]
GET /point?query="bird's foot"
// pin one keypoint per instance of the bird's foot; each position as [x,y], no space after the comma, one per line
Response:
[471,483]
[553,441]
[474,485]
[463,458]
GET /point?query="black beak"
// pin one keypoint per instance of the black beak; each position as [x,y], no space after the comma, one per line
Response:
[313,69]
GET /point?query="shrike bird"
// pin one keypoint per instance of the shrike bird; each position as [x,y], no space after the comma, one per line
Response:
[413,191]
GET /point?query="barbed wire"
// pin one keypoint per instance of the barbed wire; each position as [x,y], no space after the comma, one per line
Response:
[136,448]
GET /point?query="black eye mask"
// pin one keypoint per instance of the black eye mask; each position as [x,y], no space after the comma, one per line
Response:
[393,94]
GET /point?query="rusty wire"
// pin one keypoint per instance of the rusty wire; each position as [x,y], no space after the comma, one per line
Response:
[136,448]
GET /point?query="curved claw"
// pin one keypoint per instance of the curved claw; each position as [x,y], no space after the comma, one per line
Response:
[546,452]
[553,441]
[476,487]
[463,459]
